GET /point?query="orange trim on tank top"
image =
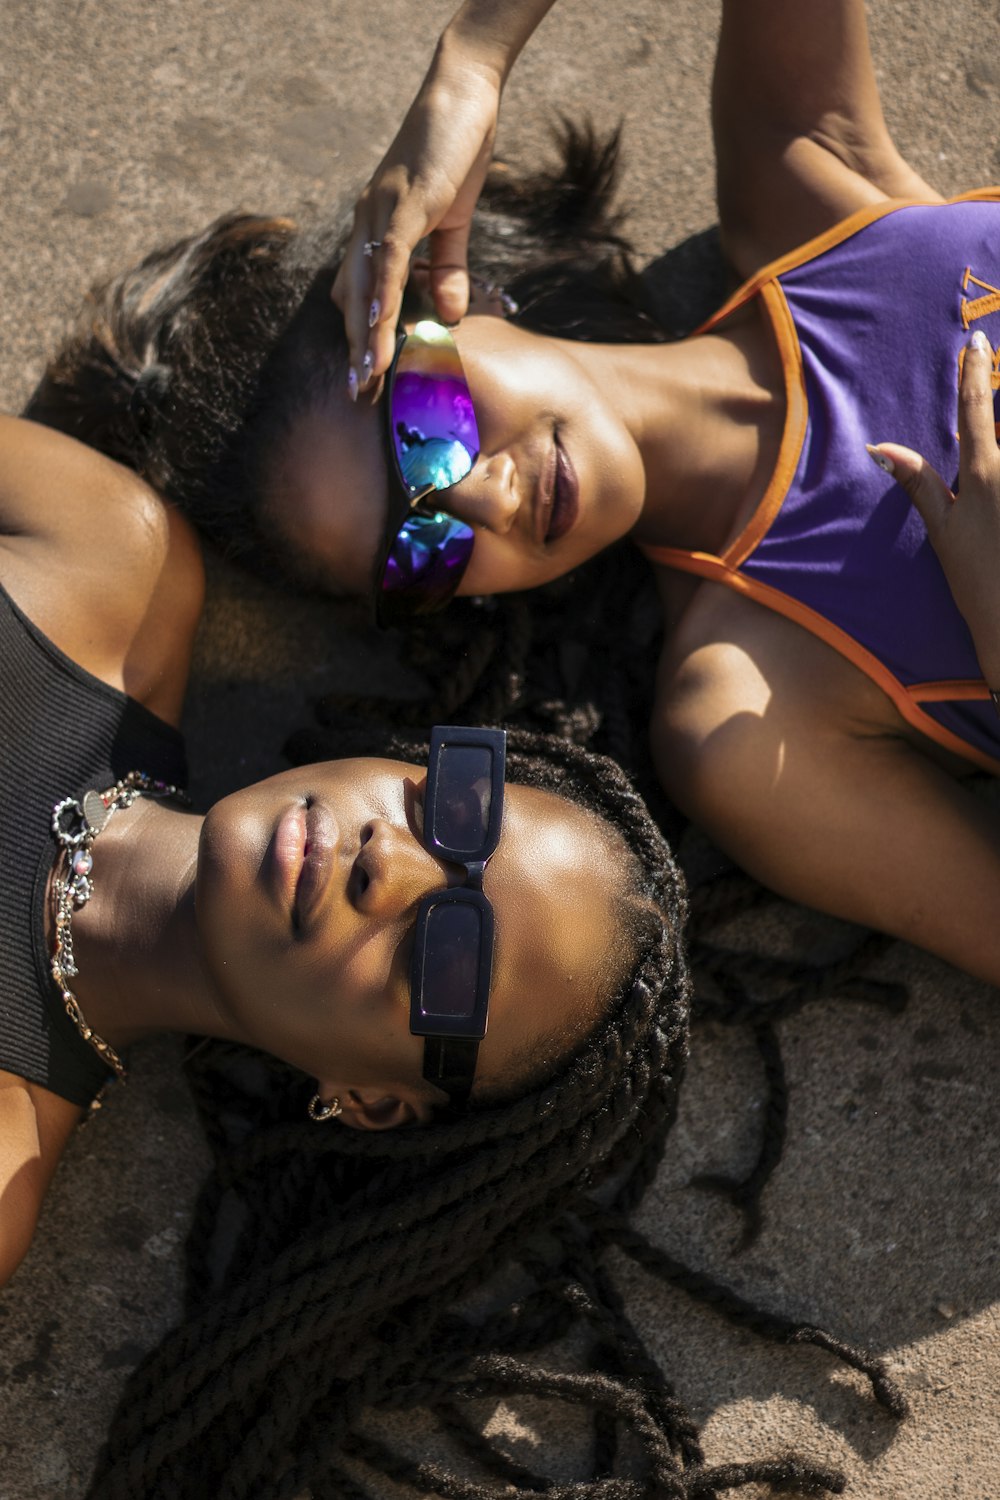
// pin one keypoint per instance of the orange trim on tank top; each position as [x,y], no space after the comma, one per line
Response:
[820,243]
[793,435]
[906,700]
[724,569]
[959,690]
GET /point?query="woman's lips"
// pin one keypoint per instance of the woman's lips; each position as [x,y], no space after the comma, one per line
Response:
[545,496]
[302,855]
[286,852]
[318,859]
[565,497]
[557,496]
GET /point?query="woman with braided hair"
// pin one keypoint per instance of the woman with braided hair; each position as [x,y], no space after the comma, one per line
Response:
[285,922]
[345,1287]
[330,1266]
[360,920]
[349,1219]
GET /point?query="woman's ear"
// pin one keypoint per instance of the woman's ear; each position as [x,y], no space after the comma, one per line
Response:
[375,1109]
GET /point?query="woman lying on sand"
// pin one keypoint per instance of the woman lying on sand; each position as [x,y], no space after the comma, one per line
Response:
[817,712]
[317,917]
[327,1269]
[284,920]
[824,686]
[360,920]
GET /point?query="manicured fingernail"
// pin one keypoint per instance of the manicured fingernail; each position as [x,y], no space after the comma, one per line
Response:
[366,367]
[352,383]
[374,312]
[884,462]
[979,341]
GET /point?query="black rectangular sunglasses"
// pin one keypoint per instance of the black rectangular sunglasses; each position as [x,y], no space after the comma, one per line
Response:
[452,960]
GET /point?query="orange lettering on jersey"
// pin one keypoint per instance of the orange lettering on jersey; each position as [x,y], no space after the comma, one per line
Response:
[978,307]
[972,310]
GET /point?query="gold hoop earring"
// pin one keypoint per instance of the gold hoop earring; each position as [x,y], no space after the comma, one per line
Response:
[320,1109]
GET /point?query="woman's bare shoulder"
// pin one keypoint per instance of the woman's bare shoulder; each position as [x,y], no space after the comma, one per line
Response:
[110,573]
[77,504]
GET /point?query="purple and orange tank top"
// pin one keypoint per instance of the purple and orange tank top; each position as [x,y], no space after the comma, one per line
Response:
[871,320]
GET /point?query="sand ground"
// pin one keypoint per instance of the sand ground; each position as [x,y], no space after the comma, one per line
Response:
[126,123]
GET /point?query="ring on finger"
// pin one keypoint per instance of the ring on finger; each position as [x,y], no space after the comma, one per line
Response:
[370,246]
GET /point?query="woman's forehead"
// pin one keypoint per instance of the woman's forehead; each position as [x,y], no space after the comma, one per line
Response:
[553,881]
[554,878]
[327,495]
[552,830]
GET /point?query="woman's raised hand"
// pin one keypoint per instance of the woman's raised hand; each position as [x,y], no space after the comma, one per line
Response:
[964,529]
[429,181]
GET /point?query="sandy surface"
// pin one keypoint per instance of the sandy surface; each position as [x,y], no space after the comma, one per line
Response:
[125,123]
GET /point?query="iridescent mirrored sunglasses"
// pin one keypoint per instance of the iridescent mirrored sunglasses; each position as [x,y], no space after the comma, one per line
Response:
[433,442]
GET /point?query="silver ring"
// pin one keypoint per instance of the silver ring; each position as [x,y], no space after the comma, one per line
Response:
[370,246]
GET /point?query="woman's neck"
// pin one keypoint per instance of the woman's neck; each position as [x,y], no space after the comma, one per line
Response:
[707,415]
[136,939]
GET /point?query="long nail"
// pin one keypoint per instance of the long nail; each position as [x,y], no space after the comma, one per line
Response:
[366,367]
[352,383]
[884,462]
[374,312]
[979,341]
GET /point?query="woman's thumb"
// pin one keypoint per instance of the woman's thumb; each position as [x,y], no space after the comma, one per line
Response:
[921,481]
[449,273]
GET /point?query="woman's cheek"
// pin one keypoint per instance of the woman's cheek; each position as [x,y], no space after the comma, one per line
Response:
[494,569]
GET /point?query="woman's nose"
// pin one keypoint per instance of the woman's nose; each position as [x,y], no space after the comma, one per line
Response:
[488,496]
[399,870]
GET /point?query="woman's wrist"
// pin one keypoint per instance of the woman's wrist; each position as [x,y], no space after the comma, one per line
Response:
[488,35]
[462,66]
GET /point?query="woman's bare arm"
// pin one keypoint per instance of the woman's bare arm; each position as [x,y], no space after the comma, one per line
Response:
[429,181]
[800,138]
[92,555]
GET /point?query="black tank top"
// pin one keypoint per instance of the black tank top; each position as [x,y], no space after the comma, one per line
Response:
[62,731]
